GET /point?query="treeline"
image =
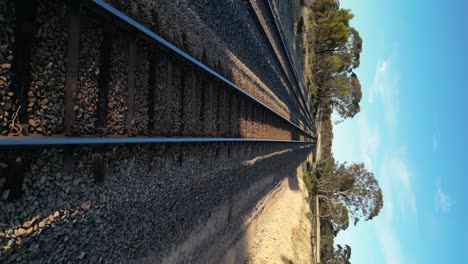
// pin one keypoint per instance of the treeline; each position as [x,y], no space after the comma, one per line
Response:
[337,47]
[347,193]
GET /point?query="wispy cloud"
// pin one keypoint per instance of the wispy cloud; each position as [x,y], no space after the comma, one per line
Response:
[442,200]
[385,90]
[369,140]
[400,203]
[401,184]
[379,80]
[389,242]
[395,178]
[394,175]
[379,148]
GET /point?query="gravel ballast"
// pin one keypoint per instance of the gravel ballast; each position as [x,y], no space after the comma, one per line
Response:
[150,200]
[88,75]
[228,36]
[8,108]
[171,97]
[152,197]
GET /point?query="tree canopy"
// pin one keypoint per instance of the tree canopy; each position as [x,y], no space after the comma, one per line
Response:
[351,187]
[342,255]
[337,48]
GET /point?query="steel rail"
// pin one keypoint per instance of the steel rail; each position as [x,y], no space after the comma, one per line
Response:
[288,55]
[91,140]
[132,23]
[287,69]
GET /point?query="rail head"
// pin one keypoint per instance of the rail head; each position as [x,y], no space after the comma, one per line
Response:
[290,59]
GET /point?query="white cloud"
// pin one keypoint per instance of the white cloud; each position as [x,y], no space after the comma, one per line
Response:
[395,178]
[400,203]
[385,90]
[402,184]
[442,200]
[389,242]
[374,142]
[356,142]
[369,140]
[377,87]
[383,67]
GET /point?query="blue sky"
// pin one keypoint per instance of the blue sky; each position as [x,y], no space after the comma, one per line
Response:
[412,130]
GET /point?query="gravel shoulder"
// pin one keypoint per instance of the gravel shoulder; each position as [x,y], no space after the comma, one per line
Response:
[151,201]
[279,231]
[276,229]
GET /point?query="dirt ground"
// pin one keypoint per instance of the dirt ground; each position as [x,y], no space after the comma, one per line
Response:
[279,231]
[267,222]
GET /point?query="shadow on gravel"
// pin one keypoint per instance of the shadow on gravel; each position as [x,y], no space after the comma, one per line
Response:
[230,243]
[293,183]
[152,199]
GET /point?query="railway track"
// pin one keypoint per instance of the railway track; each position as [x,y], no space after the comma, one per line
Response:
[107,69]
[290,47]
[102,119]
[277,44]
[298,78]
[109,93]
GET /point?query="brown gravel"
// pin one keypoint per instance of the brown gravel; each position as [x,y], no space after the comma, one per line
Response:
[117,99]
[89,63]
[45,101]
[224,31]
[8,108]
[185,101]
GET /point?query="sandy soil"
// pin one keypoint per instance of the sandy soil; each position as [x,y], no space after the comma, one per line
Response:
[279,232]
[266,222]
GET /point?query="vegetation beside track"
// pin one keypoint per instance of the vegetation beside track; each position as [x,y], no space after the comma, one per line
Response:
[346,192]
